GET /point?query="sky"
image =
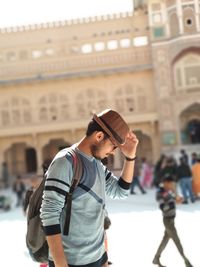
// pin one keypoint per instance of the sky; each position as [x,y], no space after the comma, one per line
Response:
[23,12]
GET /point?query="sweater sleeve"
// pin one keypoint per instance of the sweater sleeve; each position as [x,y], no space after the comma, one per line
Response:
[115,187]
[59,177]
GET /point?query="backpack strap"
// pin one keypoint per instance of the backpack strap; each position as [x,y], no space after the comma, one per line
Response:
[78,170]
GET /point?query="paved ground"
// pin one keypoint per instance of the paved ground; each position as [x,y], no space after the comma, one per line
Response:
[133,237]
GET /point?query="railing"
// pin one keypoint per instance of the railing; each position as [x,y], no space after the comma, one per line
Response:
[79,64]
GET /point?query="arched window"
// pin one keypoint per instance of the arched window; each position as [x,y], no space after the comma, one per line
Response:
[93,100]
[53,107]
[125,99]
[190,124]
[186,72]
[15,111]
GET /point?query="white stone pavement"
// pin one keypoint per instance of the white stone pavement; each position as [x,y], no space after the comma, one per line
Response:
[133,238]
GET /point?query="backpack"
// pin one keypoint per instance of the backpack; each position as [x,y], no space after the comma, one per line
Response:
[35,237]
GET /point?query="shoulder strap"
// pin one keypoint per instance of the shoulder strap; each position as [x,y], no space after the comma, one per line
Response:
[77,170]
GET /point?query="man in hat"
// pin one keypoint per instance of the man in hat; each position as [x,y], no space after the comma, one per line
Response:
[167,199]
[84,245]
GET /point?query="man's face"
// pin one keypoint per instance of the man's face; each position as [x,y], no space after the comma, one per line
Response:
[103,149]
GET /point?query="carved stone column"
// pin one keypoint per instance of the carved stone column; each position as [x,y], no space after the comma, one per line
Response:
[38,147]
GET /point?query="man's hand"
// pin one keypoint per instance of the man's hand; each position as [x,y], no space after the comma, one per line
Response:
[130,146]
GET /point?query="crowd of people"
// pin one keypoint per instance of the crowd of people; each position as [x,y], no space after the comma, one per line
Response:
[185,171]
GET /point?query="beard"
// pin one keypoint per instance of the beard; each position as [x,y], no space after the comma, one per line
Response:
[95,150]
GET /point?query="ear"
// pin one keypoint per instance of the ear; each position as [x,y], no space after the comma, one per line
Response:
[99,136]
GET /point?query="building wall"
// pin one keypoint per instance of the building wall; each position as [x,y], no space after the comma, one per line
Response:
[176,50]
[54,76]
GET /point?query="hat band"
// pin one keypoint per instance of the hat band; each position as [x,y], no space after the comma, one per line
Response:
[113,135]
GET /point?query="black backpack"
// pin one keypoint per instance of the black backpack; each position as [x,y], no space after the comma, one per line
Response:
[35,237]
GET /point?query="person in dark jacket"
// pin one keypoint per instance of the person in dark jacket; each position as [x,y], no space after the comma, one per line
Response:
[19,189]
[170,168]
[166,198]
[184,156]
[136,181]
[158,170]
[184,175]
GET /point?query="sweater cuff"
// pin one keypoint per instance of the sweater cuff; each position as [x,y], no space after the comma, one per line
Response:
[52,229]
[123,184]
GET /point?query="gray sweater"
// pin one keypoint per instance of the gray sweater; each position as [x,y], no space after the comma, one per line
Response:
[85,242]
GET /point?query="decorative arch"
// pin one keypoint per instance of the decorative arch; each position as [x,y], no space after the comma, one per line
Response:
[51,149]
[190,124]
[145,149]
[191,49]
[21,159]
[186,67]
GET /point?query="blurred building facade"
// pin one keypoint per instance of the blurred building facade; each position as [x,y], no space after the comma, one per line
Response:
[144,64]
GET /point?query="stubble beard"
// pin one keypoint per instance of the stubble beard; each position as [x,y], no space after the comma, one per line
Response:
[95,151]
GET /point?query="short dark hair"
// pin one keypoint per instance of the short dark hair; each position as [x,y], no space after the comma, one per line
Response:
[168,178]
[93,126]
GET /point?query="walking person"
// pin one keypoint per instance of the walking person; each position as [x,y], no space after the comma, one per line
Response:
[84,245]
[136,181]
[160,164]
[184,156]
[196,178]
[145,174]
[184,175]
[166,198]
[19,189]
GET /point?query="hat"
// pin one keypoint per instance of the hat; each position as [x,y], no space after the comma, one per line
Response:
[113,124]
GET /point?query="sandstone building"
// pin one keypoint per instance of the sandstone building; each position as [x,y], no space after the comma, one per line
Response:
[144,64]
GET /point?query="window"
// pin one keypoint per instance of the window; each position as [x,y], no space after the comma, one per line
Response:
[53,107]
[11,56]
[5,117]
[49,52]
[140,41]
[86,48]
[125,43]
[15,111]
[23,54]
[100,46]
[193,81]
[74,49]
[36,54]
[157,18]
[186,72]
[189,22]
[158,32]
[112,44]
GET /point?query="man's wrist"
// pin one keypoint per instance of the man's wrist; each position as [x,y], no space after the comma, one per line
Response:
[130,159]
